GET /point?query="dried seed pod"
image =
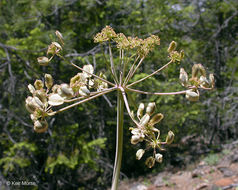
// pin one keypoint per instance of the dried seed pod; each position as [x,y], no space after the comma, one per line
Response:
[144,120]
[191,95]
[183,77]
[181,54]
[150,162]
[44,61]
[33,117]
[48,81]
[54,48]
[170,137]
[204,82]
[30,106]
[89,69]
[66,91]
[139,154]
[150,108]
[83,91]
[55,100]
[172,46]
[60,37]
[202,70]
[135,139]
[39,84]
[159,157]
[140,110]
[212,80]
[37,102]
[195,71]
[40,126]
[41,95]
[55,88]
[31,88]
[156,119]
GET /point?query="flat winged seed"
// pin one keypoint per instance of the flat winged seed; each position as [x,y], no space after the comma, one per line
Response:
[60,36]
[140,110]
[202,70]
[83,91]
[159,157]
[172,46]
[44,61]
[57,45]
[183,77]
[55,100]
[48,81]
[212,80]
[31,88]
[195,71]
[144,120]
[191,95]
[135,131]
[37,102]
[150,162]
[135,139]
[150,108]
[40,126]
[204,82]
[170,137]
[156,118]
[29,104]
[66,90]
[89,69]
[139,154]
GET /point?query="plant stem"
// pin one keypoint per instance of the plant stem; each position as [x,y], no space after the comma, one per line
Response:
[80,102]
[156,93]
[76,66]
[119,141]
[112,64]
[166,65]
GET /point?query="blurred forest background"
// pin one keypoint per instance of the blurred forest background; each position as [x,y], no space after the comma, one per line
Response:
[77,152]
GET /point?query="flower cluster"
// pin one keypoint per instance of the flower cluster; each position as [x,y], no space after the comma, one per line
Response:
[143,46]
[198,80]
[106,34]
[146,131]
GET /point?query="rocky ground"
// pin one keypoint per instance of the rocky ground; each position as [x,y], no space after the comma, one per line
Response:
[214,172]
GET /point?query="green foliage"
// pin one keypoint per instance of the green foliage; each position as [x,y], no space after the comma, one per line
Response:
[212,159]
[17,156]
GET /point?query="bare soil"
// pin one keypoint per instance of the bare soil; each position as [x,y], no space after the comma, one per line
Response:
[214,172]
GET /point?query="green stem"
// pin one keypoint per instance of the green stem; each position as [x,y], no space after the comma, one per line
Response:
[119,141]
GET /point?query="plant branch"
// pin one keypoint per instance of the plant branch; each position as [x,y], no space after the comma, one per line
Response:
[87,71]
[131,69]
[82,97]
[131,75]
[127,106]
[124,66]
[107,64]
[166,65]
[156,93]
[85,100]
[112,64]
